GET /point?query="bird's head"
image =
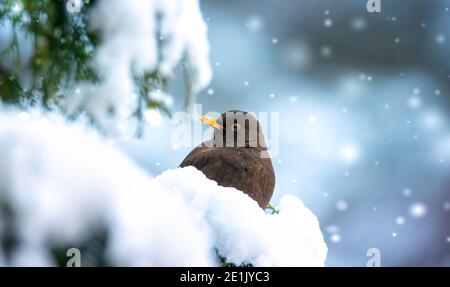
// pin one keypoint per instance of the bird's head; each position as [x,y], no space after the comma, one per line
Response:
[236,129]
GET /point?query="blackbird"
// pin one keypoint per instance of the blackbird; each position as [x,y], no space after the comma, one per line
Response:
[236,156]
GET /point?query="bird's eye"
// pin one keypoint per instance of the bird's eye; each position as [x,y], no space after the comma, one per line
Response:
[235,127]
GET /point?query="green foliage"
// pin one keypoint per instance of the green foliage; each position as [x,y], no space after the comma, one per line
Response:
[223,262]
[63,49]
[149,82]
[272,209]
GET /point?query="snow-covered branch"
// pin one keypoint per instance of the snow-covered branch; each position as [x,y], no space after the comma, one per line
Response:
[140,36]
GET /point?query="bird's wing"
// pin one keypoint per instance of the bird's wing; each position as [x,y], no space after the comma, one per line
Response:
[266,180]
[204,158]
[199,157]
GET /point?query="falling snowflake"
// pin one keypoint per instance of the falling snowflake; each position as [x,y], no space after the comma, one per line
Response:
[255,23]
[400,220]
[358,24]
[312,119]
[447,205]
[440,39]
[335,238]
[326,51]
[407,192]
[418,210]
[349,153]
[342,205]
[414,102]
[328,22]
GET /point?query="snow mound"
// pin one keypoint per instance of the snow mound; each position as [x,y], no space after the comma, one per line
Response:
[61,183]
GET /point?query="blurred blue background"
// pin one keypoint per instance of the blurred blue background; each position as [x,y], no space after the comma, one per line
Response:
[363,100]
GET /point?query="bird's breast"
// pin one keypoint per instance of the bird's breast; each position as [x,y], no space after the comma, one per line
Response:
[241,168]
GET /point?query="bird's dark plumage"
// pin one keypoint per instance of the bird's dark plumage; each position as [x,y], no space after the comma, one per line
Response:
[233,160]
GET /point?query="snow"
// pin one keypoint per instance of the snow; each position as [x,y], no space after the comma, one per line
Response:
[161,97]
[134,40]
[63,181]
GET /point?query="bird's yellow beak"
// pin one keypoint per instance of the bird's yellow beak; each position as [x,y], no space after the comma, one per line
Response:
[211,122]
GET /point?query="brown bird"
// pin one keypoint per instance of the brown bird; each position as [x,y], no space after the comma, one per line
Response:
[236,156]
